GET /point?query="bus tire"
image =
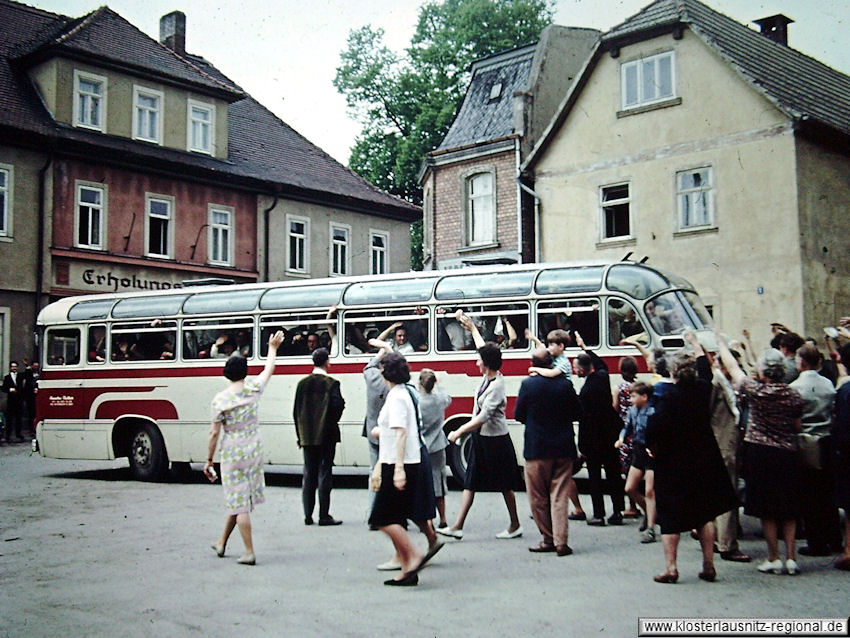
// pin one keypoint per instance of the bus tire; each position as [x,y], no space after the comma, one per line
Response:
[147,455]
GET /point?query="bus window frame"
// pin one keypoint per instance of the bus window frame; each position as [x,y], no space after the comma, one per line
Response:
[60,328]
[277,321]
[486,308]
[360,315]
[560,299]
[89,346]
[193,324]
[638,316]
[165,326]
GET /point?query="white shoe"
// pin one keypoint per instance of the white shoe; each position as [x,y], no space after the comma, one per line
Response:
[390,566]
[772,566]
[508,534]
[791,567]
[247,559]
[450,532]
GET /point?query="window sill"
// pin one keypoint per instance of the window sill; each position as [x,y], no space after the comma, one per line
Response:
[297,273]
[89,127]
[644,108]
[702,230]
[7,238]
[616,243]
[159,257]
[474,247]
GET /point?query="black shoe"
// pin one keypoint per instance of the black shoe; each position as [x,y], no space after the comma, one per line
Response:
[308,520]
[808,550]
[581,516]
[409,580]
[615,519]
[563,550]
[596,522]
[736,556]
[643,524]
[542,548]
[330,520]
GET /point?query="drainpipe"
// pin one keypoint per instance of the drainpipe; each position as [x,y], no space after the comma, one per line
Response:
[266,217]
[39,268]
[536,216]
[518,205]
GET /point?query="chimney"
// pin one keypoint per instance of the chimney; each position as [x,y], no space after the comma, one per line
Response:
[775,28]
[172,31]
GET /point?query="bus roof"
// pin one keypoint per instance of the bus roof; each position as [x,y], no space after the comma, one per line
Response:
[98,306]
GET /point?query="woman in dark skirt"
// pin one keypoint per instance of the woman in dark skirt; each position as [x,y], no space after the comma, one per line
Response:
[492,463]
[405,491]
[770,464]
[692,486]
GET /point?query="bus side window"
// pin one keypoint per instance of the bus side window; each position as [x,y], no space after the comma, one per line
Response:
[571,315]
[623,322]
[63,346]
[405,328]
[451,336]
[97,344]
[152,341]
[302,333]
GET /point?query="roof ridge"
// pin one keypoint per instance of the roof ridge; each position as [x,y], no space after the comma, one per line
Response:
[188,62]
[644,10]
[83,21]
[32,9]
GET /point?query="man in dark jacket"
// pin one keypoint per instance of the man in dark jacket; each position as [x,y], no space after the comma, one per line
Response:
[548,406]
[597,431]
[318,408]
[13,387]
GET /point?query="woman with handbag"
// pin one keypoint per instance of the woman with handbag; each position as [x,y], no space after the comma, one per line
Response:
[402,490]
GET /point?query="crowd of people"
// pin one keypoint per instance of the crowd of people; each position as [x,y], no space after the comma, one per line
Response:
[679,446]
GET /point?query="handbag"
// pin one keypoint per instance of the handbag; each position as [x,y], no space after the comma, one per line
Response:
[809,450]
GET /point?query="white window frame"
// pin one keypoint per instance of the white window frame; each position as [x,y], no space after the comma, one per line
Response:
[190,142]
[149,197]
[469,201]
[383,252]
[159,111]
[7,205]
[427,224]
[77,113]
[616,202]
[334,246]
[706,189]
[639,64]
[216,228]
[79,185]
[305,242]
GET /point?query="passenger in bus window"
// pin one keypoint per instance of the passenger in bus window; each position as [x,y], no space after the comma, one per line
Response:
[399,335]
[243,343]
[506,336]
[167,350]
[417,330]
[313,342]
[97,344]
[123,350]
[223,347]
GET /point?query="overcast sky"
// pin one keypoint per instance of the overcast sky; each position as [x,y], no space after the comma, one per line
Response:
[285,52]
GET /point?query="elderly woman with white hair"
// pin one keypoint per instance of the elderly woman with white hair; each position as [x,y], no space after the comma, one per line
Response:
[770,464]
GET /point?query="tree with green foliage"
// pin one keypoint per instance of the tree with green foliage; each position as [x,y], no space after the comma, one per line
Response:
[407,102]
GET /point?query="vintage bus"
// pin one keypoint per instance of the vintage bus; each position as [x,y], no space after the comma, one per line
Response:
[132,375]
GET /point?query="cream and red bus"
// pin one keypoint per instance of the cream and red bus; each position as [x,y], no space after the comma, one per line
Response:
[132,375]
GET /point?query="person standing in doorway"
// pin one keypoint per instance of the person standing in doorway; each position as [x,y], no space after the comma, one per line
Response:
[317,410]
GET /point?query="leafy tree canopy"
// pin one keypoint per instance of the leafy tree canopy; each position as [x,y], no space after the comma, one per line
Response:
[406,102]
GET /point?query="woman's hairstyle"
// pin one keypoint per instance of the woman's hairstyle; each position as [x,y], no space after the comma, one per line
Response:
[491,356]
[771,364]
[628,368]
[683,367]
[659,358]
[427,379]
[236,367]
[395,368]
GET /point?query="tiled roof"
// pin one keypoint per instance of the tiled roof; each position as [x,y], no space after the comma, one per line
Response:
[262,149]
[481,119]
[799,85]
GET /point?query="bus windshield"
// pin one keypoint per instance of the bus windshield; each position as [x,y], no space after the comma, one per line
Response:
[674,312]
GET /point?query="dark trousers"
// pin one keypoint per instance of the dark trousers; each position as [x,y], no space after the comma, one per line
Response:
[597,458]
[318,466]
[820,515]
[13,422]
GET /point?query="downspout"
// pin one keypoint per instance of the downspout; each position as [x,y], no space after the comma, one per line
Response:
[266,217]
[536,216]
[518,205]
[39,268]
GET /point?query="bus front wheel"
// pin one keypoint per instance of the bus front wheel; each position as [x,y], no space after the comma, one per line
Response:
[147,455]
[457,457]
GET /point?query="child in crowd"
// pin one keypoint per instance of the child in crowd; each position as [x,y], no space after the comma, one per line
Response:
[641,462]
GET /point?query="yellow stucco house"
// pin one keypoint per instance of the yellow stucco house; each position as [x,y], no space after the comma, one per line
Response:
[716,151]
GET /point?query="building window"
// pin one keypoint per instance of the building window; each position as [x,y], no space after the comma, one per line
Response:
[201,131]
[90,215]
[648,80]
[221,236]
[340,254]
[616,211]
[298,244]
[380,243]
[159,217]
[89,101]
[480,209]
[147,114]
[695,194]
[5,200]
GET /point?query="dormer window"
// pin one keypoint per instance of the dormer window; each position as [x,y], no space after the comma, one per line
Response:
[648,80]
[201,129]
[89,101]
[496,91]
[147,114]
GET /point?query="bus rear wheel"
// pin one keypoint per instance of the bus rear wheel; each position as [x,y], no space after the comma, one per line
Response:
[147,455]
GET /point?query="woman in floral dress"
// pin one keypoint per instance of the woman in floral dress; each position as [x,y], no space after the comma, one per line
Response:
[234,410]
